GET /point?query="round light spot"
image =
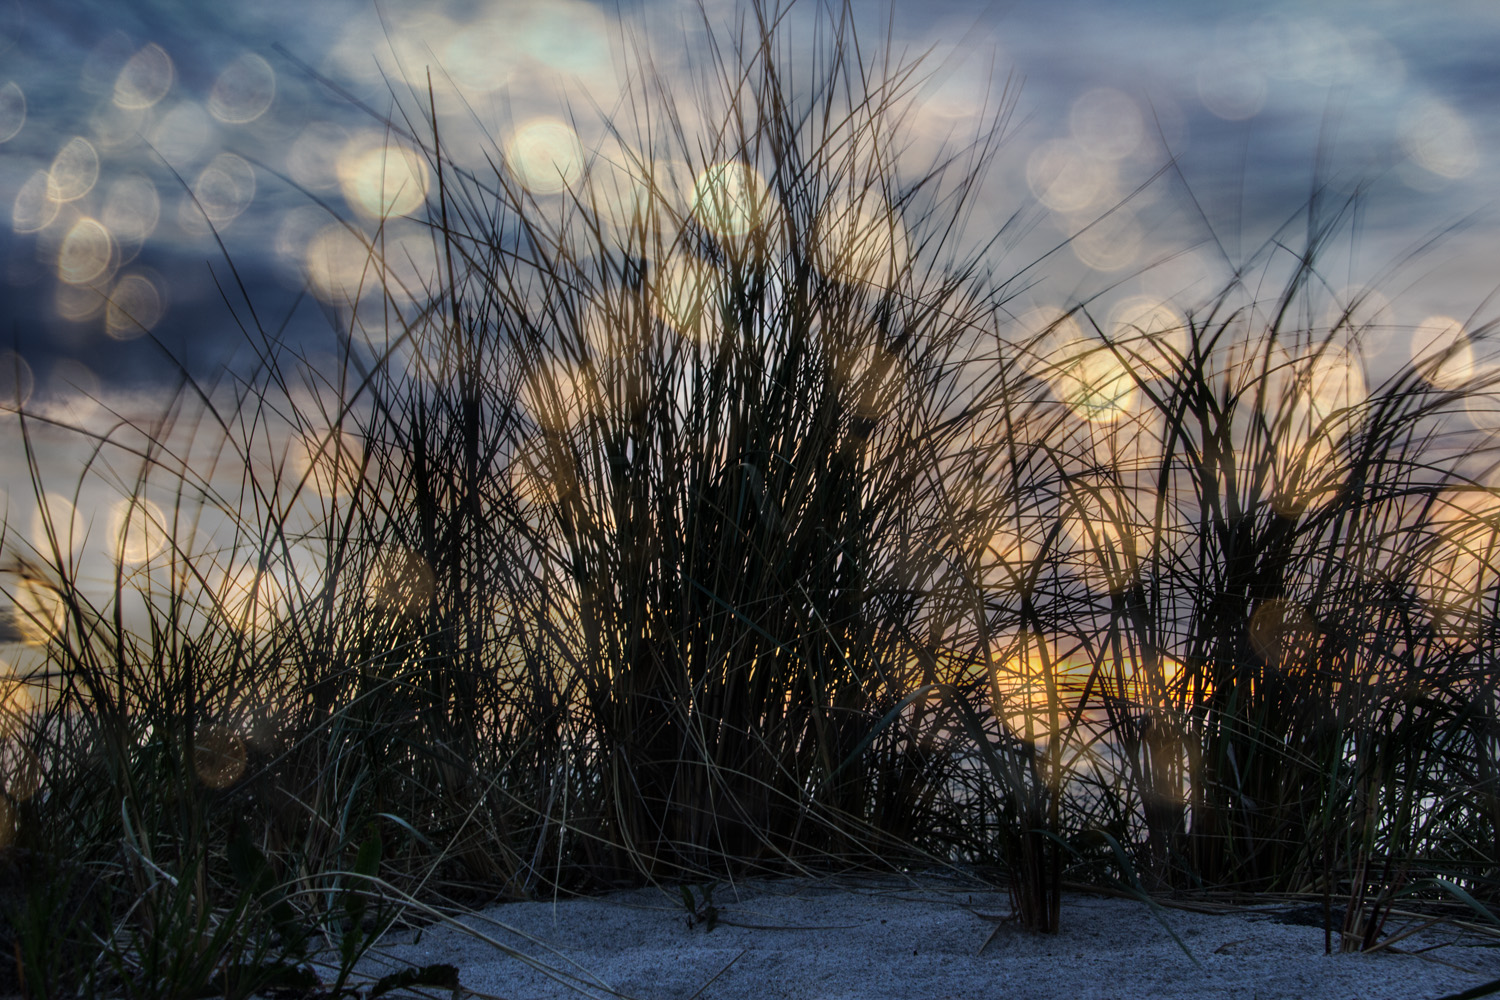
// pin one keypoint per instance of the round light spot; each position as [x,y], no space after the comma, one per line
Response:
[135,307]
[1360,310]
[1458,570]
[56,519]
[1050,340]
[338,265]
[86,253]
[225,188]
[16,382]
[557,396]
[116,129]
[1438,139]
[1231,87]
[78,302]
[1065,178]
[328,463]
[132,209]
[250,599]
[137,530]
[400,581]
[1110,242]
[685,295]
[12,111]
[545,156]
[145,79]
[1105,535]
[408,263]
[472,55]
[39,612]
[182,134]
[313,159]
[1149,332]
[75,168]
[34,207]
[1107,124]
[381,178]
[731,199]
[861,242]
[1441,351]
[219,756]
[1095,385]
[72,392]
[1335,389]
[23,769]
[244,90]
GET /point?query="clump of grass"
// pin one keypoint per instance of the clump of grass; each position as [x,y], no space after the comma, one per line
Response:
[703,511]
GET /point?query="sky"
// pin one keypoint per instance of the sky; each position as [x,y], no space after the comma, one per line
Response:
[134,104]
[175,168]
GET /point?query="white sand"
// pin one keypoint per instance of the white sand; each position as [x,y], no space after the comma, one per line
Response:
[868,939]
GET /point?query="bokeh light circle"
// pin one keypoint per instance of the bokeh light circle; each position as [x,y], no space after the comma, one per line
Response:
[34,208]
[860,241]
[224,189]
[135,307]
[16,381]
[219,756]
[545,156]
[381,178]
[86,253]
[731,199]
[137,530]
[243,91]
[1442,353]
[131,211]
[1107,123]
[12,111]
[1438,139]
[74,170]
[145,78]
[1065,178]
[1150,332]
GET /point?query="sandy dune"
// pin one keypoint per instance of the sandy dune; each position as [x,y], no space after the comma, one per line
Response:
[871,939]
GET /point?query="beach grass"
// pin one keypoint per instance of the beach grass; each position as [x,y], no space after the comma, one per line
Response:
[703,510]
